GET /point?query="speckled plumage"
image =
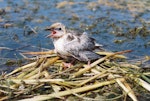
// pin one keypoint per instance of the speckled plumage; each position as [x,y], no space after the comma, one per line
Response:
[69,43]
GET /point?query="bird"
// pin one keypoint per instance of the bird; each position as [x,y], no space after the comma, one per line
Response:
[72,44]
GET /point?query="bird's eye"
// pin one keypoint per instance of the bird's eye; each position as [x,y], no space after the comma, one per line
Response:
[59,28]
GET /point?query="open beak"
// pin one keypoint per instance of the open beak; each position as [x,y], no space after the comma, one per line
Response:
[48,29]
[49,36]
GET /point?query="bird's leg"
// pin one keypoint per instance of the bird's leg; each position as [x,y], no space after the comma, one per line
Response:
[89,63]
[65,65]
[73,60]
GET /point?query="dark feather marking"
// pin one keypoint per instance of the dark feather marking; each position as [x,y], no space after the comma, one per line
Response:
[79,40]
[70,37]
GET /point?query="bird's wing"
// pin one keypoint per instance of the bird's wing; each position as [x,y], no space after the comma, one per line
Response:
[79,42]
[86,56]
[80,46]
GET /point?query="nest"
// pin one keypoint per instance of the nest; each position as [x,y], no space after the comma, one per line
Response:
[45,78]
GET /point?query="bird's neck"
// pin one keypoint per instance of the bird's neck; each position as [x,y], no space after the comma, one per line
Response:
[55,39]
[58,38]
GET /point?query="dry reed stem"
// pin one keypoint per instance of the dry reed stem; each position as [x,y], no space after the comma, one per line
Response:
[95,71]
[71,91]
[32,73]
[35,81]
[129,65]
[143,84]
[40,53]
[7,87]
[46,74]
[36,76]
[42,67]
[21,68]
[4,98]
[88,67]
[22,75]
[39,62]
[94,77]
[49,62]
[109,53]
[66,84]
[129,91]
[145,78]
[125,86]
[5,92]
[56,88]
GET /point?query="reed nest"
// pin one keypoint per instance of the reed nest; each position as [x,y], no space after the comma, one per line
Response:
[111,77]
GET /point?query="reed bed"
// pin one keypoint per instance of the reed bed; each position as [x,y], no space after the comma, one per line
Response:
[108,78]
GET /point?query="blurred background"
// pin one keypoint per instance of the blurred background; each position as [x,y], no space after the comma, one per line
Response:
[116,24]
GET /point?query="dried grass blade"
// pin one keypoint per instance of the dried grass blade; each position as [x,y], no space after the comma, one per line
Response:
[125,86]
[40,53]
[146,78]
[50,61]
[34,81]
[7,87]
[42,67]
[46,74]
[144,84]
[3,91]
[32,73]
[71,91]
[4,98]
[87,68]
[109,53]
[56,88]
[21,68]
[129,65]
[35,76]
[94,77]
[66,84]
[22,75]
[36,68]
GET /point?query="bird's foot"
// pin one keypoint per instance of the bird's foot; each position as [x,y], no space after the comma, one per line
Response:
[66,65]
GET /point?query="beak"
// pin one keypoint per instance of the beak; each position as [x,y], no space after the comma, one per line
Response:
[48,28]
[49,36]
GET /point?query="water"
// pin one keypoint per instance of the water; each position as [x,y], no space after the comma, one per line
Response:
[110,23]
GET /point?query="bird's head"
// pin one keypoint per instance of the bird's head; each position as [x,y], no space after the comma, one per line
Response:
[57,30]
